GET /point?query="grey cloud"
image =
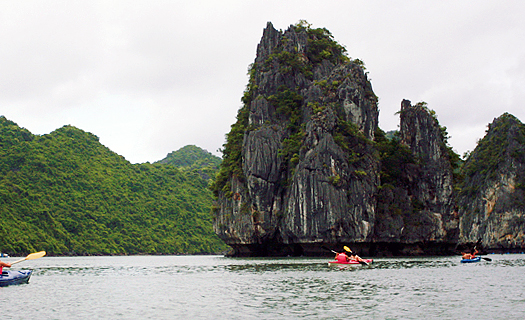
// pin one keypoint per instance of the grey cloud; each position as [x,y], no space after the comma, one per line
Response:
[149,77]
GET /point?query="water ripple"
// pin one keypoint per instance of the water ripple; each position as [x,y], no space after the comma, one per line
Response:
[280,288]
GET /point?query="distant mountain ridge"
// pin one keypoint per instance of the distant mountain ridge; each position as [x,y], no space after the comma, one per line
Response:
[66,193]
[194,158]
[189,156]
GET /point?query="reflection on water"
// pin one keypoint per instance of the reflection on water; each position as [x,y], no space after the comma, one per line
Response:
[263,266]
[211,287]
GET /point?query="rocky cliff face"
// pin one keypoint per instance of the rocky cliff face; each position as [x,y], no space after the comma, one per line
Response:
[492,199]
[415,206]
[433,186]
[309,173]
[301,168]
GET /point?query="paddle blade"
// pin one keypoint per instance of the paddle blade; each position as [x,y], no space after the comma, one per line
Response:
[36,255]
[31,256]
[347,249]
[486,259]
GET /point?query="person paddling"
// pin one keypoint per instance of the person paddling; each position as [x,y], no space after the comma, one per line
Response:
[4,264]
[470,255]
[342,257]
[354,256]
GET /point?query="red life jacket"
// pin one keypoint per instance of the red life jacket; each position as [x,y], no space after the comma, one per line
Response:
[342,257]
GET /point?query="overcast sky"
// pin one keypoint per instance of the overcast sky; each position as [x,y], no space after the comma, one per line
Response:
[149,77]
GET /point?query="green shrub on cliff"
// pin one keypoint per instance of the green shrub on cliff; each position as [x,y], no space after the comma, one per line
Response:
[395,157]
[503,144]
[321,44]
[231,155]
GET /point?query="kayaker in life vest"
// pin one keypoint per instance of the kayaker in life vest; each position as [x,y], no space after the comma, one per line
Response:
[470,255]
[342,257]
[4,264]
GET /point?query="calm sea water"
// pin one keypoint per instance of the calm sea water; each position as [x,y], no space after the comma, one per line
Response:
[215,287]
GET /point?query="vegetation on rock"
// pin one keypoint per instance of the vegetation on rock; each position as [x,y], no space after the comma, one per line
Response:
[500,145]
[307,118]
[287,100]
[491,205]
[231,164]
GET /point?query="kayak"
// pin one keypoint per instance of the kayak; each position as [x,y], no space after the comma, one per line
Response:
[351,262]
[14,277]
[476,259]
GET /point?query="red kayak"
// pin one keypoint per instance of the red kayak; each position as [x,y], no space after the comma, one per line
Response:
[351,262]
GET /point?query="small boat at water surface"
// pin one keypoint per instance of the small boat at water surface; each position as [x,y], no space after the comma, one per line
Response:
[10,277]
[476,259]
[348,263]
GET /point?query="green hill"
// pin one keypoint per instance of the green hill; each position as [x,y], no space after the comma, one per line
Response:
[191,156]
[195,159]
[66,193]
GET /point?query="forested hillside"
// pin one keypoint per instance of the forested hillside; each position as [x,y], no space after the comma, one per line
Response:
[195,159]
[66,193]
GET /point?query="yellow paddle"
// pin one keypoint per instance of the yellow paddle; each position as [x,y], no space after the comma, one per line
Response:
[31,256]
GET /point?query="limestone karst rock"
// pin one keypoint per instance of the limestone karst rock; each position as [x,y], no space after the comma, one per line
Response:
[305,165]
[416,209]
[492,198]
[308,171]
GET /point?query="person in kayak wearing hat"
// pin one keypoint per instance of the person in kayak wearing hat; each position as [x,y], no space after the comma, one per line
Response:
[4,264]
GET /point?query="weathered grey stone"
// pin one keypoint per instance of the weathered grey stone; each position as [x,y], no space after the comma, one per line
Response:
[316,196]
[492,201]
[311,171]
[421,210]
